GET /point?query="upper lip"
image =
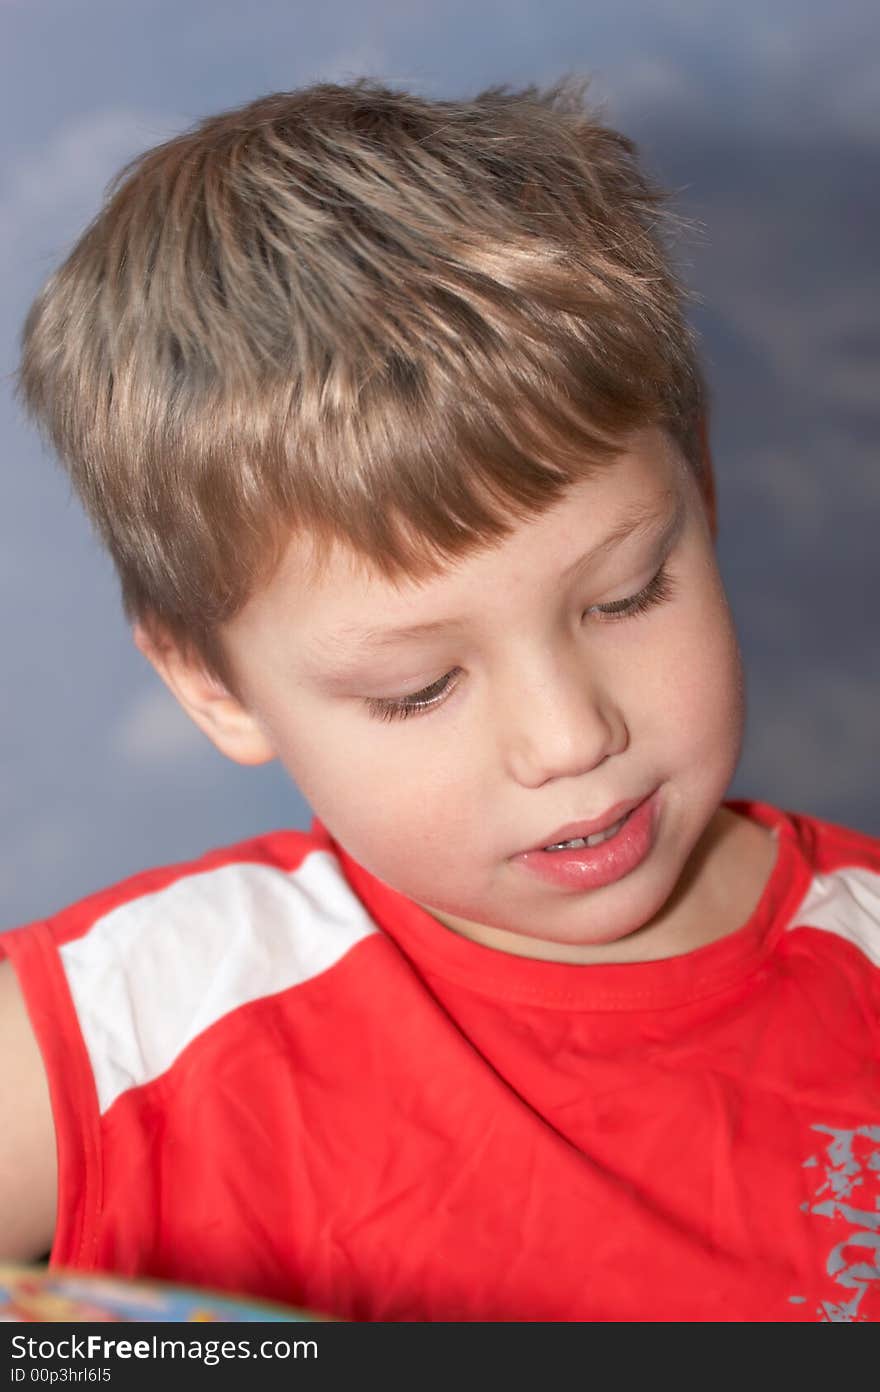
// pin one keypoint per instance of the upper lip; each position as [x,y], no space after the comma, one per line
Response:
[573,831]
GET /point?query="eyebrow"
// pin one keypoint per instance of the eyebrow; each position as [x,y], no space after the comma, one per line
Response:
[639,520]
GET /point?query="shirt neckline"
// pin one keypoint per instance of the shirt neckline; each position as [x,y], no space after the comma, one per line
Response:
[705,971]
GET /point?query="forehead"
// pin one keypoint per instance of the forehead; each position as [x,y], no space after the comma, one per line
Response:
[340,597]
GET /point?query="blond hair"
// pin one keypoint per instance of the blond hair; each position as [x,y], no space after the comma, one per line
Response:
[398,323]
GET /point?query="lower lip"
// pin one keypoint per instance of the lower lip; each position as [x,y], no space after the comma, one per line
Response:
[591,867]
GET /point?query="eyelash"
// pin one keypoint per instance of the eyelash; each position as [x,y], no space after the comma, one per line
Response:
[660,589]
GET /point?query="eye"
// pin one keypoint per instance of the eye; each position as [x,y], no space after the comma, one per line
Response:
[417,701]
[661,588]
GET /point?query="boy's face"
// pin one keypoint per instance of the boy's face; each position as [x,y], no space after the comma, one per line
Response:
[539,712]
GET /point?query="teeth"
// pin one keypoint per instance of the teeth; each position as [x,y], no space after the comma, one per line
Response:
[580,841]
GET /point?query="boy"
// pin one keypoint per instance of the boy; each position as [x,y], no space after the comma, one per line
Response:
[388,414]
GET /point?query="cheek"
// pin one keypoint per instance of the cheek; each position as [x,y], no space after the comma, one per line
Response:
[721,686]
[385,810]
[699,678]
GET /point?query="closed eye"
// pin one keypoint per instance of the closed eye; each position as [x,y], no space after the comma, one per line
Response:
[386,709]
[660,589]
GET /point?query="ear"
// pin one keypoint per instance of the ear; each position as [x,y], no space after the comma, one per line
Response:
[228,724]
[707,482]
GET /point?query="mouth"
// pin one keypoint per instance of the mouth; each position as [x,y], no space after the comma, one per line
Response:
[577,843]
[585,856]
[577,835]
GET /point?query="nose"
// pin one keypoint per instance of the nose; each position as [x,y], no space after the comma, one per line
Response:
[557,722]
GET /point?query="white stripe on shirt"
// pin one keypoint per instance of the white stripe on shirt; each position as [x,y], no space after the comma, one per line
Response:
[846,903]
[153,974]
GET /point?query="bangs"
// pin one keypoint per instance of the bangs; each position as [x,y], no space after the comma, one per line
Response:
[411,465]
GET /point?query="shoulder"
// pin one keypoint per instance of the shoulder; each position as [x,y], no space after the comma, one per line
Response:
[153,962]
[838,875]
[286,861]
[283,886]
[843,897]
[276,887]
